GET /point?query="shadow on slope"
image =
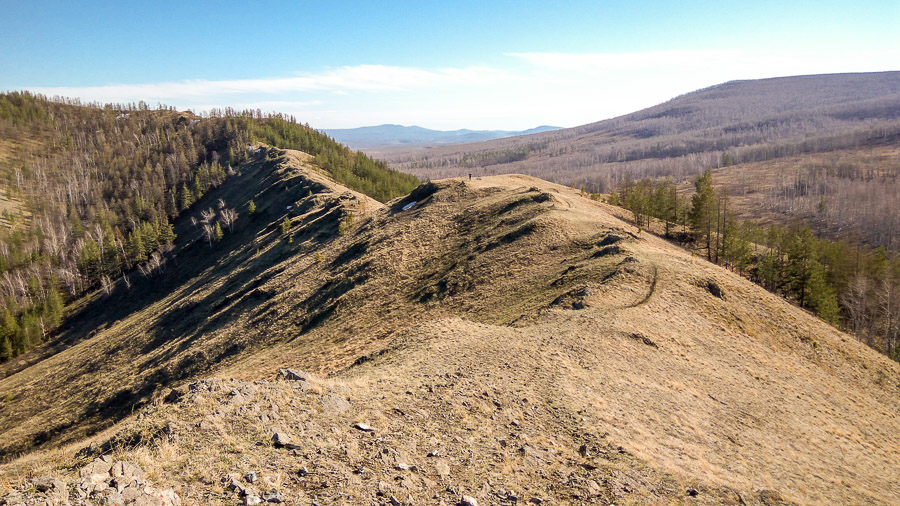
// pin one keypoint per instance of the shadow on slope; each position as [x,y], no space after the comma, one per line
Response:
[115,351]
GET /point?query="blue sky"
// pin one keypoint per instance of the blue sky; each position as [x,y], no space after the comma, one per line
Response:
[444,65]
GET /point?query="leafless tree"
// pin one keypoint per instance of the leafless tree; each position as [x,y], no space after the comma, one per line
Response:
[106,284]
[156,261]
[207,215]
[229,216]
[209,232]
[855,299]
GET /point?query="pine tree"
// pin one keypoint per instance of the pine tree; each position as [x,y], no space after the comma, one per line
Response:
[703,209]
[6,351]
[666,204]
[135,249]
[53,306]
[187,198]
[11,332]
[166,235]
[802,263]
[218,233]
[822,297]
[251,208]
[198,186]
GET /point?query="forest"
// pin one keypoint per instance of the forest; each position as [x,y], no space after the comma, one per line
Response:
[845,282]
[89,193]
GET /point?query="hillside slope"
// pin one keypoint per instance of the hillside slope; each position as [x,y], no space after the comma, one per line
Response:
[840,121]
[505,337]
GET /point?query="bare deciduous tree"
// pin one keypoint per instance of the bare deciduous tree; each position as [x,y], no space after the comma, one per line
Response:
[207,216]
[229,216]
[209,232]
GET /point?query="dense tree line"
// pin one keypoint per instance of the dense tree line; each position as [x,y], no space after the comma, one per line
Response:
[844,282]
[90,193]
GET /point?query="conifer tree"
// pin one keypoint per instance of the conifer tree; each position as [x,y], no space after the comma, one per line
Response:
[6,351]
[703,210]
[187,198]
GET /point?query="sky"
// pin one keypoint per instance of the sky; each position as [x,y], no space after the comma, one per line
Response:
[443,65]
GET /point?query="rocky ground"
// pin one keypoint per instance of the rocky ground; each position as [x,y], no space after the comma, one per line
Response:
[302,440]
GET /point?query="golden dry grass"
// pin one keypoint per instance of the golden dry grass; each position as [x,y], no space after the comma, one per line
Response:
[461,315]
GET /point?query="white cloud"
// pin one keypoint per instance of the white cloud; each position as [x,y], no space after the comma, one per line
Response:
[534,88]
[370,78]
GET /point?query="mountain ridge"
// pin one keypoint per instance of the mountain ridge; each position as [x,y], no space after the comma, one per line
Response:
[391,135]
[534,343]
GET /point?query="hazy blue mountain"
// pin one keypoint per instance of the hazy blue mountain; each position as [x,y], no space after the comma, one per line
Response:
[399,135]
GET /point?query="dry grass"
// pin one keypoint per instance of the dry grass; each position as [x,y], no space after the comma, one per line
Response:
[460,313]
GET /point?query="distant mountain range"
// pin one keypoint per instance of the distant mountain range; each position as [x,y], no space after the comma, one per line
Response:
[399,135]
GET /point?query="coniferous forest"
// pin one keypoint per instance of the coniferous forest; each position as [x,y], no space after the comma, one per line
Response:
[843,281]
[89,192]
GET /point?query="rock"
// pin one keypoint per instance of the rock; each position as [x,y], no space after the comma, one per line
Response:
[251,500]
[130,494]
[294,375]
[402,466]
[468,500]
[692,492]
[110,496]
[333,403]
[234,484]
[536,500]
[273,497]
[47,483]
[303,471]
[251,477]
[394,501]
[126,470]
[170,497]
[98,467]
[281,439]
[364,427]
[434,453]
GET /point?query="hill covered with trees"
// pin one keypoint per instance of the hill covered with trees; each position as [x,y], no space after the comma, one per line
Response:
[782,146]
[89,192]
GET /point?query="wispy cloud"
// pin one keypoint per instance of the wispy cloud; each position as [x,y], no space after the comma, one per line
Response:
[372,78]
